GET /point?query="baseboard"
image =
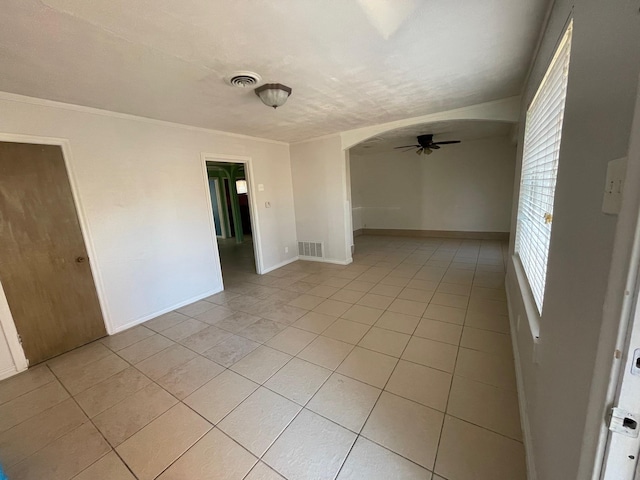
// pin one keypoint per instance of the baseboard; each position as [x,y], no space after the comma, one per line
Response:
[280,265]
[8,372]
[357,233]
[522,401]
[165,310]
[504,236]
[326,260]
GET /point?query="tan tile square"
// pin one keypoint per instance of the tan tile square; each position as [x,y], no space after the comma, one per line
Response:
[145,348]
[440,331]
[487,341]
[419,284]
[24,382]
[407,307]
[26,406]
[360,286]
[430,353]
[215,399]
[454,289]
[307,301]
[332,307]
[323,291]
[214,315]
[221,298]
[346,331]
[486,368]
[108,467]
[28,437]
[326,352]
[344,400]
[445,314]
[82,377]
[450,300]
[459,276]
[184,329]
[315,322]
[372,300]
[298,380]
[347,296]
[148,452]
[163,362]
[398,322]
[119,422]
[373,462]
[111,391]
[488,293]
[417,295]
[127,337]
[385,341]
[186,378]
[486,406]
[263,472]
[236,322]
[165,321]
[205,339]
[257,422]
[195,308]
[286,314]
[406,428]
[421,384]
[396,281]
[367,366]
[64,458]
[310,447]
[336,282]
[362,314]
[231,350]
[261,364]
[214,457]
[468,452]
[291,340]
[484,321]
[386,290]
[79,357]
[262,330]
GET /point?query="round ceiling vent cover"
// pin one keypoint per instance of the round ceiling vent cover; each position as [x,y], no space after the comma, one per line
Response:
[243,79]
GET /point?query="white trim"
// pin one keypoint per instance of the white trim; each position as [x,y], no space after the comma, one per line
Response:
[527,439]
[167,310]
[253,205]
[280,265]
[13,97]
[326,260]
[531,310]
[9,372]
[8,324]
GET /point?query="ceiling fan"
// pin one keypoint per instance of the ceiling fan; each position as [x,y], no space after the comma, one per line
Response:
[426,145]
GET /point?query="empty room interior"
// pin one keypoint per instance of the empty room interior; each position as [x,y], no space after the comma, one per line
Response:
[359,239]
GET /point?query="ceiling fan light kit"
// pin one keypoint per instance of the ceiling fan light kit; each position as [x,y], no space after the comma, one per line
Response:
[273,94]
[426,145]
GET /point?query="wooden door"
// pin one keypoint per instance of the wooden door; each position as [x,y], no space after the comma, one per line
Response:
[44,266]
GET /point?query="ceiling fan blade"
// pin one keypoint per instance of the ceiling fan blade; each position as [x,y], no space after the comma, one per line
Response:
[447,142]
[434,146]
[407,146]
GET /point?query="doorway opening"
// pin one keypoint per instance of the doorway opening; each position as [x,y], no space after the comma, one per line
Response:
[232,216]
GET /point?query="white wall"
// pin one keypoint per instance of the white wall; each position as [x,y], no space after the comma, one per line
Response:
[461,187]
[319,169]
[605,62]
[141,186]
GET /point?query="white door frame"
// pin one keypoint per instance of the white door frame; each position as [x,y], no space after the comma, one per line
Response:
[253,206]
[605,455]
[7,324]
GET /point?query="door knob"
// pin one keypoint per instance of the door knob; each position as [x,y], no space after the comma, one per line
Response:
[81,259]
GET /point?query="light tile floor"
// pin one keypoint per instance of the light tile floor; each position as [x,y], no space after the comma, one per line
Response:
[393,367]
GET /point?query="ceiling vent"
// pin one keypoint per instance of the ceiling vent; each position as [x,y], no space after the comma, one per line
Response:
[243,79]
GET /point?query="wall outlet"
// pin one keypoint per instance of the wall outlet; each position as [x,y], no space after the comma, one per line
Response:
[286,249]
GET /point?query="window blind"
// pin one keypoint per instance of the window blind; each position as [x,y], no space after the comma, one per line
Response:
[543,132]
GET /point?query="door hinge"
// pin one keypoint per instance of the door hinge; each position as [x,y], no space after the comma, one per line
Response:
[624,422]
[19,339]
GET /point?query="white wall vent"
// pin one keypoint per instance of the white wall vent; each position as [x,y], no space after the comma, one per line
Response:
[310,249]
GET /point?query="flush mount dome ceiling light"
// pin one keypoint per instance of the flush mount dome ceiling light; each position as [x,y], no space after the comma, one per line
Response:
[273,94]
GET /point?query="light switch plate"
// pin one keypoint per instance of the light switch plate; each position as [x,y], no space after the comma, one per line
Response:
[260,187]
[614,186]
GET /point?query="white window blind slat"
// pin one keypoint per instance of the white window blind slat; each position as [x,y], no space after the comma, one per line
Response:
[543,132]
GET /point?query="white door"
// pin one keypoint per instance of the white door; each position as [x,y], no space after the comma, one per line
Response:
[623,442]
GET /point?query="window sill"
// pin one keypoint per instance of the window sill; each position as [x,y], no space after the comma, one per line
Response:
[531,311]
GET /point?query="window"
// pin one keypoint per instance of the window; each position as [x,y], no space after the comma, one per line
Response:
[543,131]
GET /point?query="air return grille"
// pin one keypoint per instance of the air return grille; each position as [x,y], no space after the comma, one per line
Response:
[310,249]
[243,79]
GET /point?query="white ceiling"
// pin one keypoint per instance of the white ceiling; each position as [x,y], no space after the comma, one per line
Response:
[351,63]
[463,130]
